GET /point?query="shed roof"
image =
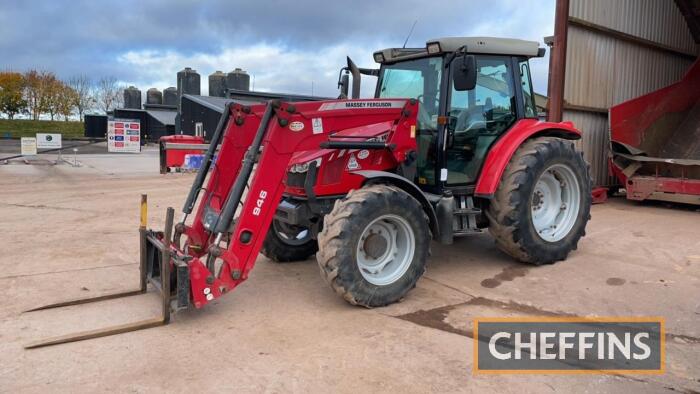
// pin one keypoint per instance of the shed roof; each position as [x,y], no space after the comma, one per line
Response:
[167,118]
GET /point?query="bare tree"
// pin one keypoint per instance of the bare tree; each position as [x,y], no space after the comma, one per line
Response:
[83,98]
[109,94]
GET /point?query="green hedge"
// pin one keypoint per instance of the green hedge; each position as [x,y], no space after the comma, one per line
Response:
[28,128]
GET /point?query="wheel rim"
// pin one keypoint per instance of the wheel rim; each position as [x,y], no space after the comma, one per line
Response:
[293,236]
[385,250]
[555,203]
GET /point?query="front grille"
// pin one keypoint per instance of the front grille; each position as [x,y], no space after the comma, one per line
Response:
[296,179]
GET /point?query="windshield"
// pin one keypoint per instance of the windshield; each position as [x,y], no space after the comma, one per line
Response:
[419,79]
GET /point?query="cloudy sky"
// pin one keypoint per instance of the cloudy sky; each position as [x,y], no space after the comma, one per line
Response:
[287,46]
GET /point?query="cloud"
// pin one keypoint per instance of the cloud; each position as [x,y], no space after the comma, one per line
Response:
[272,67]
[285,45]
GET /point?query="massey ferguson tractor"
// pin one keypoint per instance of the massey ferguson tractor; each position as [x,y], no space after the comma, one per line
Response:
[450,145]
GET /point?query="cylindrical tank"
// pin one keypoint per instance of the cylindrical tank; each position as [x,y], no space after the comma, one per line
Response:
[217,84]
[188,82]
[238,79]
[154,96]
[170,96]
[132,98]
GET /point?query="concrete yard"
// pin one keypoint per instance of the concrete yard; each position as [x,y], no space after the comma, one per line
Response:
[70,232]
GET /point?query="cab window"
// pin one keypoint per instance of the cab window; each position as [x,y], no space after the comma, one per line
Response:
[528,95]
[419,79]
[478,117]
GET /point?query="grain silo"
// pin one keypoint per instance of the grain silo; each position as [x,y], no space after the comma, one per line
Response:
[217,84]
[238,79]
[170,96]
[154,96]
[188,82]
[132,98]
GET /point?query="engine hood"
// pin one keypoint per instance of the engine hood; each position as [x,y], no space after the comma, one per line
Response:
[363,133]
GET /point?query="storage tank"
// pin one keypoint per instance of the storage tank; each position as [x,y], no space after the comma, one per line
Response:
[238,79]
[188,82]
[154,96]
[132,98]
[170,96]
[217,84]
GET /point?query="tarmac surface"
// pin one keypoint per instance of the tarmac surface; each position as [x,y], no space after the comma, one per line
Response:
[71,232]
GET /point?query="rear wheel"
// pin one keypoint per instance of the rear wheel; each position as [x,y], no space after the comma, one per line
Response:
[374,245]
[543,203]
[285,243]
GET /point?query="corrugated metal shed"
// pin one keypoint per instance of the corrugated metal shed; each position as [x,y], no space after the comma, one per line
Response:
[659,21]
[615,51]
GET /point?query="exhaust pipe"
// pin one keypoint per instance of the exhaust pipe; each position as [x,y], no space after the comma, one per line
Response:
[355,71]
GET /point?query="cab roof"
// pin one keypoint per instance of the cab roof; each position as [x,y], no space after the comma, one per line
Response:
[486,45]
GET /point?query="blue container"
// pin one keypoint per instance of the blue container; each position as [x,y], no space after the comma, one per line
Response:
[193,162]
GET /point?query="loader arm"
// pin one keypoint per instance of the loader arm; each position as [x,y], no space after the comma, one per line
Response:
[282,130]
[234,142]
[219,252]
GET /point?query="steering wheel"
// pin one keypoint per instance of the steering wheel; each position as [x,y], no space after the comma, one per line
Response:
[423,115]
[420,99]
[462,120]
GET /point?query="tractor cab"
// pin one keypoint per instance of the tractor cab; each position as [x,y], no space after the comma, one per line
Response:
[471,90]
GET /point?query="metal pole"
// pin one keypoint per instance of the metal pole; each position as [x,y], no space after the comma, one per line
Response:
[558,61]
[142,241]
[165,264]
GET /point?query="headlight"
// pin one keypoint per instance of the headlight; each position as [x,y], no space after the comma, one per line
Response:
[378,57]
[433,47]
[303,167]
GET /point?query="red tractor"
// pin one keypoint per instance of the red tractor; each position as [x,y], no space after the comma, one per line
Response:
[369,202]
[450,145]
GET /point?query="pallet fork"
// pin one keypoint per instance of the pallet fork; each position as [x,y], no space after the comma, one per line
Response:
[221,248]
[159,257]
[154,267]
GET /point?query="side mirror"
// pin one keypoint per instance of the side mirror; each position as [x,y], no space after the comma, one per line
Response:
[464,72]
[344,84]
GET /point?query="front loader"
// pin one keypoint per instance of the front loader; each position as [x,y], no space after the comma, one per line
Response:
[449,146]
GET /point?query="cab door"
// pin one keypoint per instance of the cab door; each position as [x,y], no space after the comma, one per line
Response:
[477,117]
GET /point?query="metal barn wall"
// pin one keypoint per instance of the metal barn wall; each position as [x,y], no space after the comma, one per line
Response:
[655,20]
[604,68]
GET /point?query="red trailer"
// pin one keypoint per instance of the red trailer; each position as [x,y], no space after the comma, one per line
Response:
[656,142]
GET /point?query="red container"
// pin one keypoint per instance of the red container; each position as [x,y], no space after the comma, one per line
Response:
[656,142]
[170,158]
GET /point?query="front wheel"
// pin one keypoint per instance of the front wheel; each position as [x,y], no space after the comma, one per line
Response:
[374,245]
[285,243]
[543,203]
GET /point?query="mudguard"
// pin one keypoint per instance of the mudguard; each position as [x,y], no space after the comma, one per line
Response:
[500,154]
[407,186]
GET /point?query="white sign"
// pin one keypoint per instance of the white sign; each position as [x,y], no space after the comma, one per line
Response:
[28,146]
[48,141]
[123,135]
[317,125]
[355,104]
